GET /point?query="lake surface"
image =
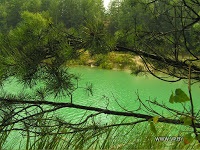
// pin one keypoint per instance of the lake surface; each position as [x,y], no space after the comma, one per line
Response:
[123,86]
[113,88]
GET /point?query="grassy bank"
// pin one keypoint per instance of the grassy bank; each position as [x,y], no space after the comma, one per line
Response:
[112,60]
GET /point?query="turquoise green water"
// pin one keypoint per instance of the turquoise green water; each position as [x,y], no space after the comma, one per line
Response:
[114,88]
[111,88]
[123,87]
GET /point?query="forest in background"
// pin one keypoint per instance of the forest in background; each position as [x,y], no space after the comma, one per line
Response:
[40,38]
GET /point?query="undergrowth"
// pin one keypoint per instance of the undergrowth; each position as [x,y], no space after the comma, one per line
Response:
[116,138]
[112,60]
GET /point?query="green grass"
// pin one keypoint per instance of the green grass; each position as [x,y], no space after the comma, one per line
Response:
[116,138]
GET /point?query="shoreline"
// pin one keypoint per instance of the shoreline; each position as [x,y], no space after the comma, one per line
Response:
[110,61]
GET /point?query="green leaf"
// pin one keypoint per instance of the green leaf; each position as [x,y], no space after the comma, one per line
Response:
[187,121]
[179,97]
[188,138]
[153,128]
[155,119]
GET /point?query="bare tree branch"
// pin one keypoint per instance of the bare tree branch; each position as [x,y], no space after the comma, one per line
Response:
[105,111]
